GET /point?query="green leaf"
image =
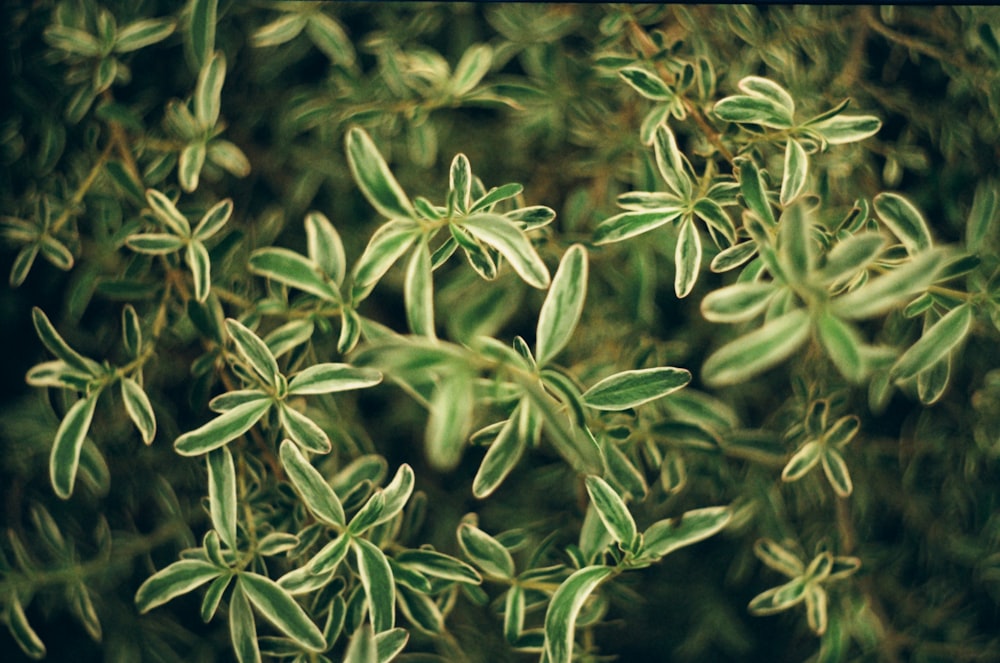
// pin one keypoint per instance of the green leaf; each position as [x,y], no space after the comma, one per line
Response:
[687,258]
[189,165]
[647,84]
[842,343]
[227,156]
[329,37]
[176,579]
[629,224]
[983,215]
[836,472]
[214,219]
[754,192]
[449,422]
[329,557]
[880,295]
[633,388]
[23,262]
[563,305]
[513,614]
[568,600]
[793,179]
[154,243]
[24,635]
[56,253]
[65,457]
[613,511]
[935,343]
[712,213]
[850,256]
[362,647]
[222,494]
[733,257]
[208,91]
[485,552]
[213,596]
[396,494]
[665,536]
[303,430]
[802,461]
[778,558]
[167,213]
[279,608]
[816,613]
[388,644]
[289,336]
[72,40]
[294,270]
[231,399]
[386,245]
[198,260]
[131,330]
[778,598]
[739,302]
[460,181]
[418,289]
[254,352]
[795,243]
[763,88]
[279,31]
[242,627]
[332,377]
[376,577]
[503,454]
[438,565]
[670,162]
[139,409]
[222,429]
[495,195]
[473,65]
[904,220]
[374,178]
[506,237]
[757,351]
[842,129]
[55,344]
[745,109]
[325,247]
[142,33]
[367,515]
[202,29]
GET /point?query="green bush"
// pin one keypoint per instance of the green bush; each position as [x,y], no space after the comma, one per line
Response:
[498,332]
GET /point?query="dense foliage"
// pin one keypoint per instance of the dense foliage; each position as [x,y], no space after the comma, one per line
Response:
[500,332]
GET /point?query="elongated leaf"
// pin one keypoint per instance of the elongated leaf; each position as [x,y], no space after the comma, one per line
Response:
[733,257]
[438,565]
[213,596]
[254,351]
[745,109]
[208,91]
[222,494]
[362,647]
[904,220]
[374,178]
[629,224]
[793,179]
[142,33]
[329,557]
[754,192]
[172,581]
[880,295]
[665,536]
[842,129]
[778,558]
[563,305]
[388,644]
[55,344]
[294,270]
[289,336]
[633,388]
[756,86]
[139,409]
[687,259]
[200,264]
[222,429]
[737,303]
[376,577]
[396,494]
[646,83]
[154,243]
[836,472]
[485,552]
[503,454]
[226,155]
[843,344]
[279,608]
[670,162]
[816,613]
[795,244]
[983,215]
[190,163]
[303,430]
[167,213]
[778,598]
[202,29]
[24,635]
[495,195]
[460,181]
[332,377]
[712,213]
[560,618]
[72,40]
[449,422]
[386,245]
[65,457]
[757,351]
[850,256]
[325,247]
[214,219]
[330,38]
[936,342]
[802,461]
[418,292]
[613,511]
[474,64]
[243,627]
[231,399]
[506,237]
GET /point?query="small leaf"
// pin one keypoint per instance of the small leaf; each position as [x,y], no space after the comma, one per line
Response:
[633,388]
[448,424]
[670,162]
[202,29]
[325,247]
[55,344]
[778,558]
[568,600]
[687,258]
[396,494]
[374,178]
[330,38]
[793,179]
[503,454]
[804,460]
[779,598]
[222,429]
[386,245]
[139,409]
[279,31]
[154,243]
[474,64]
[843,344]
[438,565]
[303,430]
[329,557]
[563,305]
[362,647]
[24,635]
[665,536]
[757,351]
[507,238]
[842,129]
[935,343]
[208,91]
[229,157]
[332,377]
[388,644]
[794,242]
[712,213]
[254,352]
[65,457]
[983,215]
[850,256]
[176,579]
[418,289]
[739,302]
[213,597]
[222,494]
[214,219]
[167,213]
[905,221]
[880,295]
[189,165]
[733,257]
[294,270]
[142,33]
[754,192]
[647,84]
[56,253]
[72,40]
[279,608]
[485,552]
[613,511]
[816,614]
[200,264]
[629,224]
[376,577]
[745,109]
[243,627]
[764,88]
[836,472]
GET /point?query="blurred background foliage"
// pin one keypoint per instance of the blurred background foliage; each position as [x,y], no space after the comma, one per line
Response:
[551,113]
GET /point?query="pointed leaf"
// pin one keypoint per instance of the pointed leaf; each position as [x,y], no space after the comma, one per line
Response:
[485,552]
[805,459]
[843,344]
[254,351]
[793,179]
[754,192]
[737,303]
[778,558]
[433,564]
[560,618]
[633,388]
[142,33]
[329,557]
[55,344]
[418,292]
[303,430]
[374,178]
[613,511]
[904,220]
[756,86]
[202,29]
[647,84]
[670,162]
[460,181]
[396,494]
[850,256]
[687,259]
[629,224]
[836,472]
[842,129]
[665,536]
[243,627]
[200,264]
[507,238]
[325,247]
[376,577]
[474,64]
[222,494]
[745,109]
[294,270]
[362,647]
[332,377]
[139,409]
[214,219]
[279,608]
[386,245]
[222,429]
[189,165]
[208,91]
[65,457]
[563,305]
[936,342]
[778,598]
[176,579]
[501,457]
[880,295]
[757,351]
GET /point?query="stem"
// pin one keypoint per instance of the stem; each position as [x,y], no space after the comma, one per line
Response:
[82,189]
